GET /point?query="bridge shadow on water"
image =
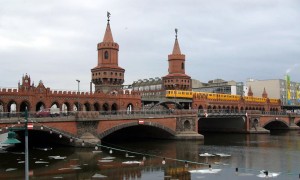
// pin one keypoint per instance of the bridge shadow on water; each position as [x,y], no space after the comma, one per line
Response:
[137,133]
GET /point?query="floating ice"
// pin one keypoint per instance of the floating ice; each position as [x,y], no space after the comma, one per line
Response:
[58,177]
[21,162]
[206,171]
[108,157]
[131,162]
[206,155]
[41,162]
[97,151]
[263,174]
[57,157]
[105,160]
[10,169]
[98,176]
[223,155]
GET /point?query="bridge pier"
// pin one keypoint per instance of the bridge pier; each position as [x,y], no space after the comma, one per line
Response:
[187,128]
[254,127]
[292,125]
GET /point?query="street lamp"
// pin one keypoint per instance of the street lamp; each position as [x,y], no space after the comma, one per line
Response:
[78,81]
[11,139]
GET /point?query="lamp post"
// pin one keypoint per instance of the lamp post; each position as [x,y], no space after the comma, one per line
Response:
[78,81]
[26,147]
[11,139]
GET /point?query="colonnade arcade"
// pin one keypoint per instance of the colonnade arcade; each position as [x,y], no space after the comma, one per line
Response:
[14,106]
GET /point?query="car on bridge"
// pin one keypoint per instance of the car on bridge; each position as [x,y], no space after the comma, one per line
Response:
[53,112]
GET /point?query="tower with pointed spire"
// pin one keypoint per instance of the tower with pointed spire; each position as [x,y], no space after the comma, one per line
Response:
[176,79]
[107,75]
[250,93]
[264,94]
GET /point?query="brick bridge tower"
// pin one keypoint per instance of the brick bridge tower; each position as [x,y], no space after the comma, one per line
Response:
[107,75]
[177,79]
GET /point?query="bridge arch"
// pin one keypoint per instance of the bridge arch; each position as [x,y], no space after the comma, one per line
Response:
[134,124]
[275,124]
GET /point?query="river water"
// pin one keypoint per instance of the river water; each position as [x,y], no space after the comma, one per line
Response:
[278,153]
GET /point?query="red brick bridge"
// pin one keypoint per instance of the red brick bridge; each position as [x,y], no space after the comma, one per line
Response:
[92,126]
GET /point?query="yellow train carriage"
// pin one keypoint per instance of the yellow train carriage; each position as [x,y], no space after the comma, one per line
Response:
[255,99]
[274,101]
[179,94]
[229,97]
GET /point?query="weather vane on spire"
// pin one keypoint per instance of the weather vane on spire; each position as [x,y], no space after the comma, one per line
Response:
[176,31]
[108,15]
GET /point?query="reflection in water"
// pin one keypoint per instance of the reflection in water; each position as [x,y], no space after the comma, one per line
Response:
[278,152]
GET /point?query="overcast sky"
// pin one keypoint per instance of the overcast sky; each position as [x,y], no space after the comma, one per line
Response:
[55,40]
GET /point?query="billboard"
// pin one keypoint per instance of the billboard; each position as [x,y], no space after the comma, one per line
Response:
[288,89]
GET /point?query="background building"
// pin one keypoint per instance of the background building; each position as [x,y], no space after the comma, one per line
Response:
[283,89]
[220,86]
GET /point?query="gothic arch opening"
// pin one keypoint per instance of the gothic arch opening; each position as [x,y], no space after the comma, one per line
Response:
[200,107]
[1,106]
[105,107]
[39,106]
[24,105]
[129,108]
[114,108]
[242,108]
[96,107]
[106,55]
[65,107]
[86,107]
[187,125]
[12,108]
[55,105]
[77,106]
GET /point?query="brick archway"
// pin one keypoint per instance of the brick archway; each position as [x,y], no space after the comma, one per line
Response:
[274,120]
[116,128]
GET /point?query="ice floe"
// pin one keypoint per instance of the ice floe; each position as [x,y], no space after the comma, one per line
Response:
[131,162]
[267,174]
[108,158]
[57,157]
[97,151]
[41,162]
[10,169]
[223,155]
[206,155]
[98,176]
[206,171]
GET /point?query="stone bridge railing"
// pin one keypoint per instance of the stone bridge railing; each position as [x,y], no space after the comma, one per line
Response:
[227,112]
[97,115]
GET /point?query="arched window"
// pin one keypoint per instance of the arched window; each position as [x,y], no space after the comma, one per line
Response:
[105,55]
[182,66]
